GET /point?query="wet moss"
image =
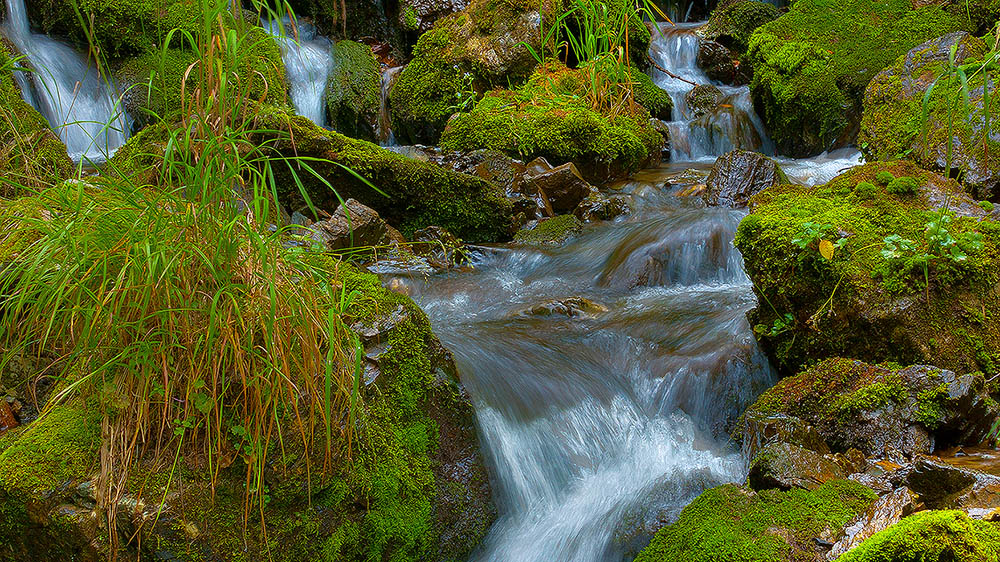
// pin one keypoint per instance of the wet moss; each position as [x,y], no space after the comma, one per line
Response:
[552,231]
[353,90]
[734,523]
[811,65]
[932,536]
[838,304]
[548,117]
[733,23]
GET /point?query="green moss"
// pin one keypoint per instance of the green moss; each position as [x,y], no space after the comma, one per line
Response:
[865,190]
[986,206]
[733,23]
[932,536]
[903,186]
[555,230]
[884,177]
[410,18]
[733,523]
[548,117]
[837,304]
[31,155]
[811,65]
[353,90]
[59,446]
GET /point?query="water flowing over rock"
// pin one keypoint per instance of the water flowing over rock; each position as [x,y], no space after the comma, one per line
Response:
[739,175]
[308,61]
[79,102]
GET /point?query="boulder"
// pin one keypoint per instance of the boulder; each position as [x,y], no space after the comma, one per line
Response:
[354,225]
[869,301]
[600,207]
[893,122]
[786,466]
[739,175]
[878,410]
[353,89]
[760,429]
[811,65]
[703,99]
[720,64]
[884,513]
[562,188]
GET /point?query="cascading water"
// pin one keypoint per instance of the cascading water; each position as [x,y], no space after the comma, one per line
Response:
[732,124]
[308,59]
[78,102]
[383,129]
[604,423]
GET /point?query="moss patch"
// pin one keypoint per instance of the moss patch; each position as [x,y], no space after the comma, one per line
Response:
[353,90]
[733,23]
[734,523]
[932,536]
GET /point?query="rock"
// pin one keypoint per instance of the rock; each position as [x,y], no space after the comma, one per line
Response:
[760,430]
[785,466]
[732,23]
[354,225]
[936,481]
[439,246]
[814,103]
[739,175]
[893,102]
[353,89]
[420,15]
[884,513]
[562,188]
[932,536]
[600,207]
[7,419]
[865,304]
[720,64]
[573,307]
[703,99]
[549,232]
[878,410]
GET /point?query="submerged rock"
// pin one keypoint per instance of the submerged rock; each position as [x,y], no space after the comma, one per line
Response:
[739,175]
[893,113]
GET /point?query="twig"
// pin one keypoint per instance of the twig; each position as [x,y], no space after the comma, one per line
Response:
[667,72]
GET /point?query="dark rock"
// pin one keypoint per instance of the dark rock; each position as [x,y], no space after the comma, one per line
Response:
[739,175]
[439,246]
[884,513]
[573,307]
[785,466]
[703,99]
[602,207]
[760,430]
[352,90]
[936,481]
[562,188]
[420,15]
[354,225]
[721,65]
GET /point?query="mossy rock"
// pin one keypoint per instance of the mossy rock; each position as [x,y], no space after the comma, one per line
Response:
[732,23]
[464,55]
[353,90]
[893,122]
[735,523]
[31,155]
[415,487]
[932,536]
[811,65]
[863,303]
[547,117]
[407,193]
[872,408]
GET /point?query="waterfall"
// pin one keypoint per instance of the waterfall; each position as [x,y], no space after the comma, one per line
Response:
[733,123]
[383,131]
[308,59]
[79,103]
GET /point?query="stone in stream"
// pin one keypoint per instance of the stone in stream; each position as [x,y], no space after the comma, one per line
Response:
[884,513]
[785,466]
[573,307]
[354,225]
[703,99]
[561,188]
[720,64]
[739,175]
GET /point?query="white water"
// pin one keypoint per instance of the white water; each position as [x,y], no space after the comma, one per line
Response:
[308,59]
[79,104]
[734,124]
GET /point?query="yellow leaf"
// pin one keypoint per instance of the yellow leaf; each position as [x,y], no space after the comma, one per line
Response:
[826,249]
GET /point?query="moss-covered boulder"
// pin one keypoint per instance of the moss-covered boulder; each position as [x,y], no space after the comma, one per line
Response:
[735,523]
[31,155]
[415,487]
[894,120]
[407,193]
[812,65]
[732,23]
[549,117]
[464,54]
[932,536]
[353,90]
[885,262]
[875,409]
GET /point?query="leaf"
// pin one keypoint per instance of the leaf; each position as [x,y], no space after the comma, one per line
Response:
[826,249]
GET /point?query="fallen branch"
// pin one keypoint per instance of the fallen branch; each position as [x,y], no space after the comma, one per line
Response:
[667,72]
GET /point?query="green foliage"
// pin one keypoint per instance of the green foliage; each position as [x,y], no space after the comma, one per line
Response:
[932,536]
[733,523]
[905,185]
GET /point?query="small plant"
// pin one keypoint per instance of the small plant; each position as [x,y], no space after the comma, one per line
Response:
[885,177]
[905,185]
[986,206]
[939,244]
[865,190]
[815,235]
[783,323]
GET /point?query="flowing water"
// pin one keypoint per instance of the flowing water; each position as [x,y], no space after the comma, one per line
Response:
[383,129]
[80,104]
[308,59]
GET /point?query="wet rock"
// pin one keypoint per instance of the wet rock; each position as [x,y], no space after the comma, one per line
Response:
[420,15]
[600,207]
[739,175]
[720,64]
[733,22]
[562,187]
[884,513]
[352,90]
[703,99]
[876,410]
[573,307]
[7,419]
[440,247]
[895,97]
[936,481]
[354,225]
[549,232]
[785,466]
[760,430]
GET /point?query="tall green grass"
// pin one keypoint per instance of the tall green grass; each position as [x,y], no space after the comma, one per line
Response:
[176,306]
